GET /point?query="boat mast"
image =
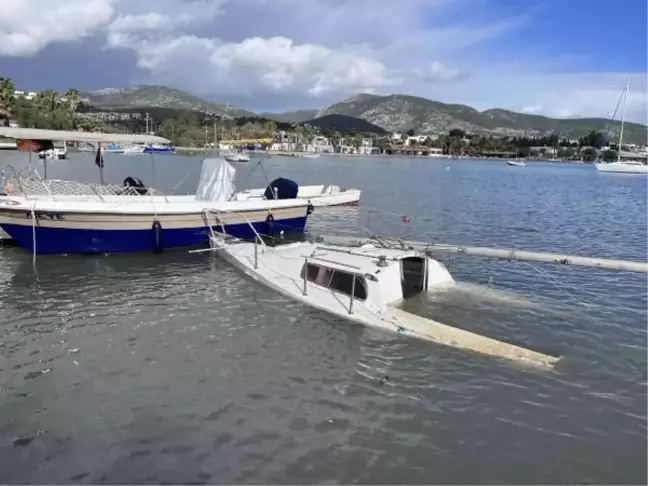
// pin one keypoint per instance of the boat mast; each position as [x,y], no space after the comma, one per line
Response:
[216,143]
[625,98]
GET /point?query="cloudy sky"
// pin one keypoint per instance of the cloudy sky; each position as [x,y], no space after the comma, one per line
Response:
[555,57]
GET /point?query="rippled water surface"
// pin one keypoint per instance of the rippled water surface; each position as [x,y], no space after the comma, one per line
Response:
[174,368]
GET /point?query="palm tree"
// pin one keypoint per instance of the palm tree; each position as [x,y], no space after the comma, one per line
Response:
[47,101]
[73,98]
[7,100]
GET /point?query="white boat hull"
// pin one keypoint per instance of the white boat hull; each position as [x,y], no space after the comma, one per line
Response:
[622,168]
[515,163]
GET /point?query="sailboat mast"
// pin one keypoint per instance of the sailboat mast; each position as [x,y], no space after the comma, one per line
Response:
[625,98]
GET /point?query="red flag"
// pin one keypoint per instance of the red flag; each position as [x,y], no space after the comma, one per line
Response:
[24,145]
[405,219]
[99,158]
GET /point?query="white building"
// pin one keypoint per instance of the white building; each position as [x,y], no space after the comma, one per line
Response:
[28,95]
[367,147]
[414,140]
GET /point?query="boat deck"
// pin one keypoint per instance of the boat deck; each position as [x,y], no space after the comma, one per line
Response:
[453,336]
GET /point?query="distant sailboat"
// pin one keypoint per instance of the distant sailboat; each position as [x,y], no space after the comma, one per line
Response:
[623,166]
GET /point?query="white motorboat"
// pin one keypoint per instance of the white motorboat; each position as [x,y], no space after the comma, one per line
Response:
[363,285]
[237,157]
[113,219]
[319,195]
[620,165]
[134,149]
[56,153]
[516,163]
[69,217]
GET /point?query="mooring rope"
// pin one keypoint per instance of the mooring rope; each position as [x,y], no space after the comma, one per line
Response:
[33,218]
[588,305]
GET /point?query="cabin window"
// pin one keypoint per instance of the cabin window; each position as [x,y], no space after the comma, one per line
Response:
[337,280]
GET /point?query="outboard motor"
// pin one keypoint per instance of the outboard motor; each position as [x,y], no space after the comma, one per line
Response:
[137,184]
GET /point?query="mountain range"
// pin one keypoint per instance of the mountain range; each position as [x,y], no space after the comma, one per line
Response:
[161,97]
[394,113]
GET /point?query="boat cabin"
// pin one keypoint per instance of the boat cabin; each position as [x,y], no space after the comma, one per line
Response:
[377,276]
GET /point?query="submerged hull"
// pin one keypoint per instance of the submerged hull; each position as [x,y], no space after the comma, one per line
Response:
[51,232]
[283,269]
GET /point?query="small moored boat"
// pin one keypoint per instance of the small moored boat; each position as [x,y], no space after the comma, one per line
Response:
[516,163]
[363,285]
[320,195]
[238,156]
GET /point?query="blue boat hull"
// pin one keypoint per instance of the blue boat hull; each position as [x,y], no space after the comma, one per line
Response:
[154,150]
[51,241]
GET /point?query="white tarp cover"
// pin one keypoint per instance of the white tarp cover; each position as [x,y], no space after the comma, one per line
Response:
[216,182]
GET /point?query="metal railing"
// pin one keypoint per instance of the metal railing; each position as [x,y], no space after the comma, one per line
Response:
[305,275]
[352,294]
[257,238]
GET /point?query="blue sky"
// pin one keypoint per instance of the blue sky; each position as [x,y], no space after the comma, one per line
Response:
[559,58]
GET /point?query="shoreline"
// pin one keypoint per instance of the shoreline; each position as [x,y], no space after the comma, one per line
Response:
[261,153]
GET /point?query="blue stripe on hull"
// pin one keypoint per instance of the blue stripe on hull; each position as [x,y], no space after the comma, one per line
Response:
[51,241]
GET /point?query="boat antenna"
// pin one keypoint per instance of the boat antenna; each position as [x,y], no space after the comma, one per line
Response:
[381,241]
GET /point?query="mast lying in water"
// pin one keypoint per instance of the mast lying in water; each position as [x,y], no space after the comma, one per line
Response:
[504,254]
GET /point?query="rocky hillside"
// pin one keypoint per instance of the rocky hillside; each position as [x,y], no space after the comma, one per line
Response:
[344,123]
[399,113]
[297,116]
[159,96]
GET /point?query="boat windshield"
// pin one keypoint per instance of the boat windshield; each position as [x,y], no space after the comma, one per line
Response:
[336,280]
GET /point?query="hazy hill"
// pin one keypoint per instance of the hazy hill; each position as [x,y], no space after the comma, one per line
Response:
[297,116]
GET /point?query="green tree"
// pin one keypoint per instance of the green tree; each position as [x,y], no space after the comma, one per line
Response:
[594,139]
[457,133]
[589,154]
[610,155]
[7,100]
[72,99]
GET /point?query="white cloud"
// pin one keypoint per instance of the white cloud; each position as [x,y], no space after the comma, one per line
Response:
[256,65]
[318,51]
[439,72]
[28,26]
[550,93]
